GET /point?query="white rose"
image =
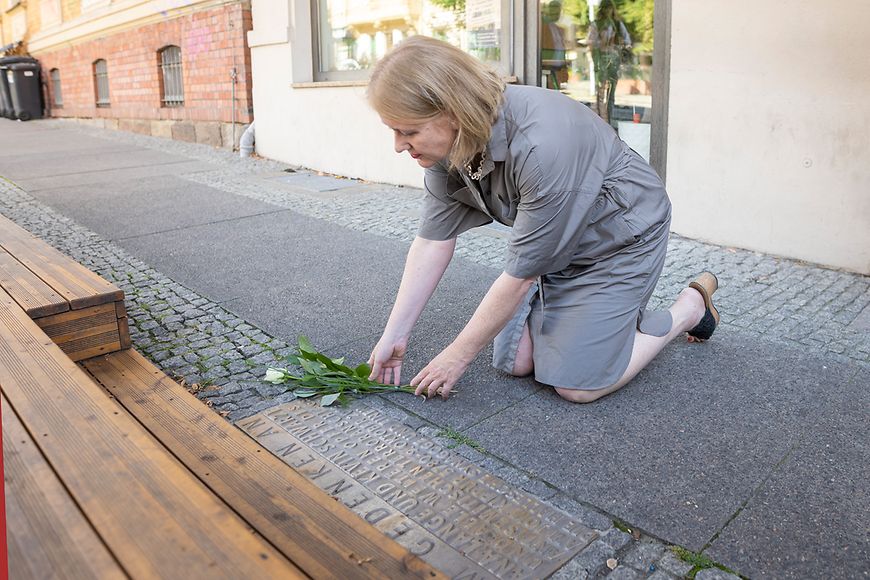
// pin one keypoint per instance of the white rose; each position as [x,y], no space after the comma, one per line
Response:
[274,376]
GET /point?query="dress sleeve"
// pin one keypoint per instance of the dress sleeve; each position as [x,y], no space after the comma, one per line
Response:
[444,218]
[558,183]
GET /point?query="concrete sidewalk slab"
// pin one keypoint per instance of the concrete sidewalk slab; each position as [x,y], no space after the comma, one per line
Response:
[137,207]
[295,274]
[110,177]
[37,139]
[20,168]
[809,520]
[679,450]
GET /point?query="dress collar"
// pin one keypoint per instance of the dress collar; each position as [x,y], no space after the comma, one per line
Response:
[497,147]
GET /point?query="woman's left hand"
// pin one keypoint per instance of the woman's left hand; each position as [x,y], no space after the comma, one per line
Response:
[441,374]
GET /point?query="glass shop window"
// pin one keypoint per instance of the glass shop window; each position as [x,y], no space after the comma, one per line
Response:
[600,52]
[351,35]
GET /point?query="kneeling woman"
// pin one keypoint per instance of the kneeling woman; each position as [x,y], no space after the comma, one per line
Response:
[589,229]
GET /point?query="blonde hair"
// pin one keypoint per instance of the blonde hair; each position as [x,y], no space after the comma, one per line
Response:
[423,78]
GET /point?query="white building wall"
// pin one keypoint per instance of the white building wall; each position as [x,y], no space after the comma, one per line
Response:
[769,127]
[327,128]
[768,144]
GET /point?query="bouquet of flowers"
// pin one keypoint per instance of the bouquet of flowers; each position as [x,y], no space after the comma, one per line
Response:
[327,377]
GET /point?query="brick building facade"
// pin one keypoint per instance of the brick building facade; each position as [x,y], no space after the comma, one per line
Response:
[210,78]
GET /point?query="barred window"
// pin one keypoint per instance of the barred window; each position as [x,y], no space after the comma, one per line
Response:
[171,83]
[101,82]
[55,87]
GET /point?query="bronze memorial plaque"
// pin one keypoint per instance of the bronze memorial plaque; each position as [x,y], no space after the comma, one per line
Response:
[437,504]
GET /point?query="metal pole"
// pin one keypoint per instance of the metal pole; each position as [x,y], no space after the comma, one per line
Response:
[233,76]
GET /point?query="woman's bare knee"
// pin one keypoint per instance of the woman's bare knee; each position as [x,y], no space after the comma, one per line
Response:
[580,395]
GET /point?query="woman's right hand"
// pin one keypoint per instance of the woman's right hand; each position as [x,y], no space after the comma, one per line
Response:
[386,361]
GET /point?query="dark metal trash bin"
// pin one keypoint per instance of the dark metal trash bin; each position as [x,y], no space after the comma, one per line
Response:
[25,89]
[6,108]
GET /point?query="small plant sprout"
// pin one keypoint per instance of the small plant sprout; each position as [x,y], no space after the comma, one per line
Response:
[327,377]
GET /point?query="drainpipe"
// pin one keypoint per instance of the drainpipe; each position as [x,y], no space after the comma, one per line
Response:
[246,143]
[233,77]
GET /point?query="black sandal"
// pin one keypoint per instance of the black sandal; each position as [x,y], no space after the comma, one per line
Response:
[706,284]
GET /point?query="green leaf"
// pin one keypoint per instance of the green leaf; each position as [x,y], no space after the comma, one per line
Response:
[328,377]
[312,367]
[305,345]
[363,371]
[333,363]
[327,400]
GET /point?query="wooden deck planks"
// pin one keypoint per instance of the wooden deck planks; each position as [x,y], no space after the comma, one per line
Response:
[75,283]
[48,535]
[153,515]
[321,535]
[33,295]
[86,332]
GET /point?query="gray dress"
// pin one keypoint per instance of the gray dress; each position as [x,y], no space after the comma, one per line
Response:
[589,219]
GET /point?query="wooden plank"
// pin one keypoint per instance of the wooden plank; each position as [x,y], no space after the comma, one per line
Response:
[155,517]
[321,535]
[33,295]
[75,322]
[86,332]
[78,285]
[49,537]
[91,346]
[124,333]
[123,327]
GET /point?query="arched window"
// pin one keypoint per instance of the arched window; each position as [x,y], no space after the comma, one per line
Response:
[101,82]
[57,96]
[171,80]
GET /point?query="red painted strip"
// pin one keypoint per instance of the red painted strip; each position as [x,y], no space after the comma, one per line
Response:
[4,559]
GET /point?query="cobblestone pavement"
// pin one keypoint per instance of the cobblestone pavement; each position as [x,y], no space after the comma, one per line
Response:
[222,358]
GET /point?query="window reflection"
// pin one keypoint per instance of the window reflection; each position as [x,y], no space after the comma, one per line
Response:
[600,52]
[355,34]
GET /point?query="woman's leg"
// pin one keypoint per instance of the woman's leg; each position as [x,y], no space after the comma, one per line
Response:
[524,364]
[686,312]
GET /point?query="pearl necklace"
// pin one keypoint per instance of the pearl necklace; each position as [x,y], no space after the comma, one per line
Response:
[476,174]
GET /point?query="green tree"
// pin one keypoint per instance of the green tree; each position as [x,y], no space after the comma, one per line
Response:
[455,6]
[637,15]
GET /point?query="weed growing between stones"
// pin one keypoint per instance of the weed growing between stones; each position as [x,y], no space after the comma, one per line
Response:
[459,439]
[697,561]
